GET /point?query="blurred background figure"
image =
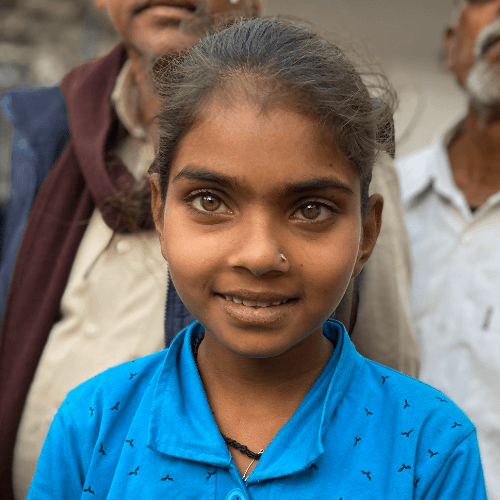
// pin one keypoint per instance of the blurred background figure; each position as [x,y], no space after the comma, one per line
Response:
[451,194]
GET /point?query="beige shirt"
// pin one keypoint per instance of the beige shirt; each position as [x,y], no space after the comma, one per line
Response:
[383,331]
[112,309]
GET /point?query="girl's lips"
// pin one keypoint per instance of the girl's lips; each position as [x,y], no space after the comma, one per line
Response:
[259,314]
[258,302]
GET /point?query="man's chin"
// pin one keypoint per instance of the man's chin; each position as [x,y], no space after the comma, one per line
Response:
[168,40]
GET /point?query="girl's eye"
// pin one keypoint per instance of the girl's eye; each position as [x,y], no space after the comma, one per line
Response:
[209,203]
[313,212]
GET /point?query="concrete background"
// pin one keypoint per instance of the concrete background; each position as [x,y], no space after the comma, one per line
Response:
[406,37]
[40,40]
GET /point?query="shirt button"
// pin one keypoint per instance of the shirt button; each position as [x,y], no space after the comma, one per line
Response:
[467,239]
[236,494]
[92,330]
[123,246]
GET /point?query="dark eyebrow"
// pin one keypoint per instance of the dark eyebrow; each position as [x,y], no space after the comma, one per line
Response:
[318,184]
[191,172]
[200,174]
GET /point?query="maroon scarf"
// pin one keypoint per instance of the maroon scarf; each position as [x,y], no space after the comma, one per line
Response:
[79,181]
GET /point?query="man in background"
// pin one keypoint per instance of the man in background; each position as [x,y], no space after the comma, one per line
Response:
[88,281]
[451,195]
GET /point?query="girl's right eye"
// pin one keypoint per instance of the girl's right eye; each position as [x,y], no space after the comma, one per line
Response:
[209,203]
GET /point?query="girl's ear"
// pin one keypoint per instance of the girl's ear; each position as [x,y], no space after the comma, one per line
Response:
[157,205]
[371,229]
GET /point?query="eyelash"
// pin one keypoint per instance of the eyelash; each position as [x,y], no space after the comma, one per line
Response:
[319,204]
[199,194]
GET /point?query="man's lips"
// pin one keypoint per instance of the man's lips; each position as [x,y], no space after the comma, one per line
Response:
[489,43]
[187,5]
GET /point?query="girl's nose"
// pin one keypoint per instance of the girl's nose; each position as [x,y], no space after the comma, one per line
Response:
[259,248]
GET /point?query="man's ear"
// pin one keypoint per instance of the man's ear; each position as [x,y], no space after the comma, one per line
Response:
[449,47]
[371,229]
[157,205]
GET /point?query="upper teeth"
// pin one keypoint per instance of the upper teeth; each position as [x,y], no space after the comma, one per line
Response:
[254,303]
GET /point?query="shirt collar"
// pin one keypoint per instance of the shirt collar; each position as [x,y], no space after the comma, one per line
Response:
[182,425]
[431,169]
[125,100]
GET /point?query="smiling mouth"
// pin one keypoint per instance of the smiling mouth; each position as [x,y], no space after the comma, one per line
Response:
[259,303]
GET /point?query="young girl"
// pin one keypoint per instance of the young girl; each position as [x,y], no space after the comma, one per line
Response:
[268,137]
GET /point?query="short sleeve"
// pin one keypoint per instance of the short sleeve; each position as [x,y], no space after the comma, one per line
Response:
[461,475]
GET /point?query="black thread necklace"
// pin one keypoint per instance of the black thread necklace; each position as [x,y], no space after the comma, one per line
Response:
[230,442]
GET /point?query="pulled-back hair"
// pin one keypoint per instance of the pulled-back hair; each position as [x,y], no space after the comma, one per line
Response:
[276,63]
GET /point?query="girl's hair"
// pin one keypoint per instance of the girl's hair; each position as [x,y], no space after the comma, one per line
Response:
[276,63]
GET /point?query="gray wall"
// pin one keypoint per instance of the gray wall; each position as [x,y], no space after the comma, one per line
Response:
[406,36]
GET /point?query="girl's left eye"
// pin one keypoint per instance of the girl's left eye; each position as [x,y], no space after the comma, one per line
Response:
[313,211]
[207,202]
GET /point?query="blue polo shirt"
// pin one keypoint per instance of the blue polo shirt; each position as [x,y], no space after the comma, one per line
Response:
[144,429]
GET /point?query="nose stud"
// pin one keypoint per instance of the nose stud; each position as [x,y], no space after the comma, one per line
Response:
[282,257]
[234,2]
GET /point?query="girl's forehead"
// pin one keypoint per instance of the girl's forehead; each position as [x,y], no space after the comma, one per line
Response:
[267,149]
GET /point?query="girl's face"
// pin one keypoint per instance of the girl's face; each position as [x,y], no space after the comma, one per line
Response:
[244,189]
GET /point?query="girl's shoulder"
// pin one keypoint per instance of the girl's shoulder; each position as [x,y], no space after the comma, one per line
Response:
[118,389]
[405,396]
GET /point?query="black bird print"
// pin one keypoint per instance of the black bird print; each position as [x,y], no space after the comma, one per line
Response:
[407,434]
[404,467]
[384,379]
[130,442]
[166,478]
[133,473]
[101,449]
[416,482]
[367,474]
[89,490]
[314,466]
[368,413]
[406,404]
[357,441]
[132,375]
[433,453]
[442,400]
[115,407]
[456,425]
[91,411]
[210,474]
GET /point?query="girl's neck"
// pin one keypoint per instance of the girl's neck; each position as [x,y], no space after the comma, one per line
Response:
[252,399]
[252,381]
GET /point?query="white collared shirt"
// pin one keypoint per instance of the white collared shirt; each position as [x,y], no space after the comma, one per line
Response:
[455,293]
